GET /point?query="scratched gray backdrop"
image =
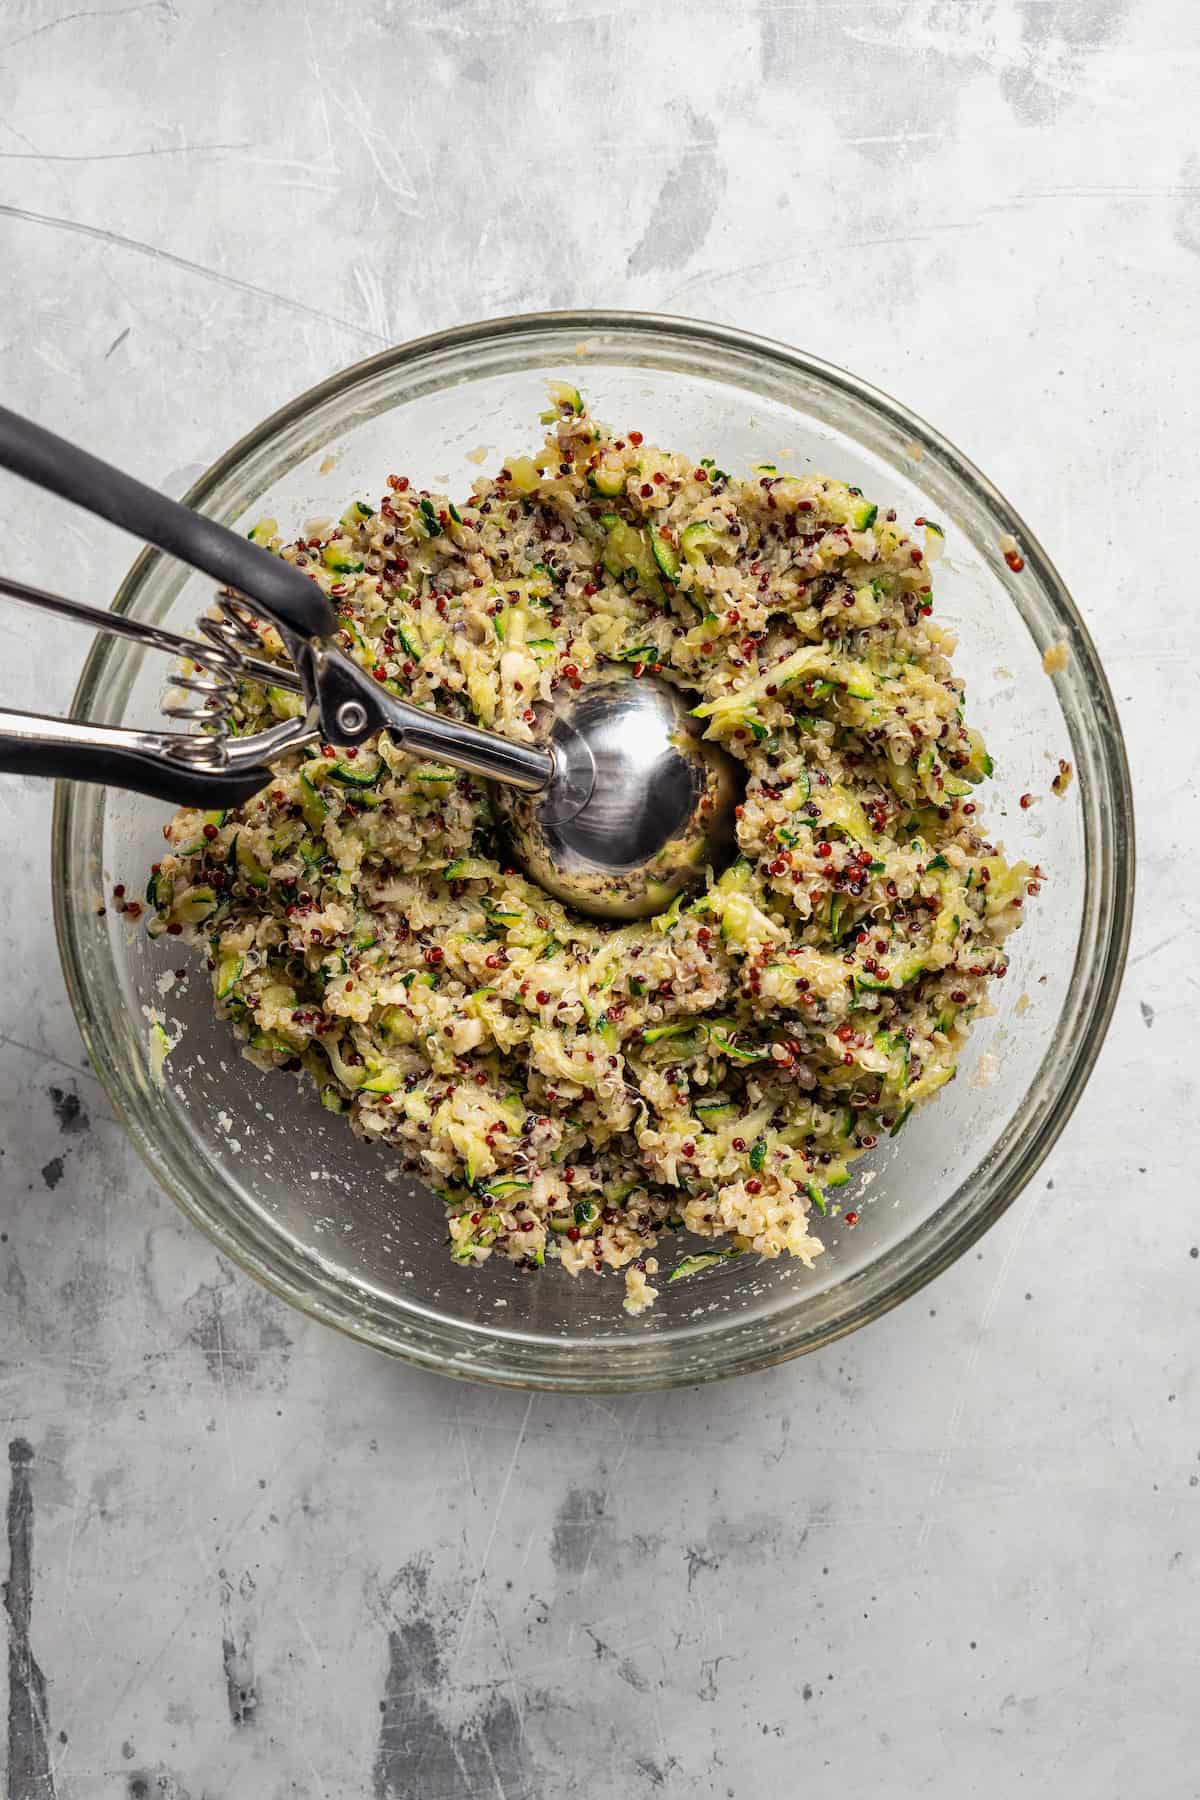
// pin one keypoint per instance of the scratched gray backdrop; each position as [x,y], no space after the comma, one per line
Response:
[955,1554]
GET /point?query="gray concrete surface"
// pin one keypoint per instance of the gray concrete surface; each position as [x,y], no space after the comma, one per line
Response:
[956,1554]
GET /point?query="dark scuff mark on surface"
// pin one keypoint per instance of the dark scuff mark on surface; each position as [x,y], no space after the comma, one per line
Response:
[15,1286]
[52,1173]
[422,1750]
[682,215]
[424,1631]
[83,1297]
[655,1773]
[117,341]
[30,1775]
[1057,39]
[759,1537]
[710,1669]
[157,1784]
[239,1682]
[1186,223]
[577,1524]
[697,1560]
[69,1110]
[240,1333]
[54,1485]
[1147,1012]
[626,1668]
[103,1485]
[237,1648]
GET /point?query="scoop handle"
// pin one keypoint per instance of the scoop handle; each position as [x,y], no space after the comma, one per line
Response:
[116,756]
[289,596]
[354,706]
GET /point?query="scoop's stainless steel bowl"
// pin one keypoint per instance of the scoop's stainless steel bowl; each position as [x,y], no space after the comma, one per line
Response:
[641,805]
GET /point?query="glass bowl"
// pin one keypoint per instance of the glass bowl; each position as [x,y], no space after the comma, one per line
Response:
[282,1186]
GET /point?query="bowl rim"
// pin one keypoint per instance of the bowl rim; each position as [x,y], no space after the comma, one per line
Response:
[1115,872]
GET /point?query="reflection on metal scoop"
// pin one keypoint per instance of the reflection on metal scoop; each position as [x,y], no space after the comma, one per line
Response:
[639,805]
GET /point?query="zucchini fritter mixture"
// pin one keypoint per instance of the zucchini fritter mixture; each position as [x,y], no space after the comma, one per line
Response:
[574,1090]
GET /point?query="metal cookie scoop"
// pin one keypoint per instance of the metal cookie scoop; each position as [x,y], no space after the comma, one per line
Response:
[620,805]
[636,805]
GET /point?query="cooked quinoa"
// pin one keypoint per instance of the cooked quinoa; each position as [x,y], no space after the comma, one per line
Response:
[578,1091]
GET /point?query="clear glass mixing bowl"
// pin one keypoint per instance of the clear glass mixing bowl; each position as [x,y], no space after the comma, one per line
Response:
[282,1186]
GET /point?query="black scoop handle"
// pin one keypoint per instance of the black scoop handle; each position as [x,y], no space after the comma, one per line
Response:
[289,596]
